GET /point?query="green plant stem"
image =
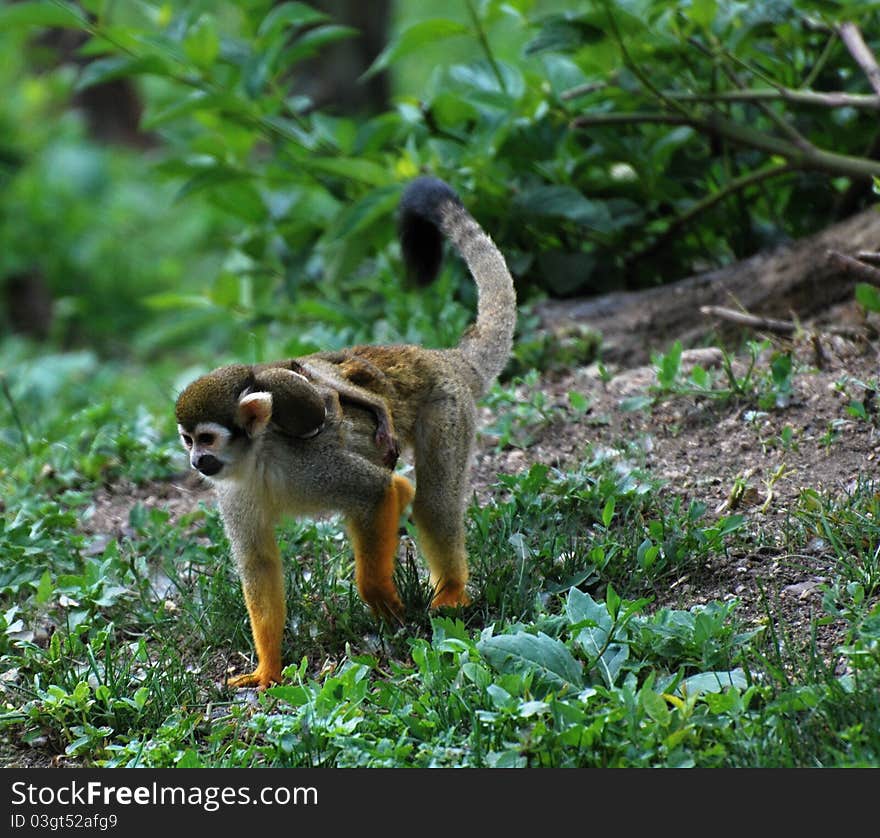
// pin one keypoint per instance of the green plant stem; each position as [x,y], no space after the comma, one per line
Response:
[733,187]
[484,43]
[821,61]
[637,70]
[4,384]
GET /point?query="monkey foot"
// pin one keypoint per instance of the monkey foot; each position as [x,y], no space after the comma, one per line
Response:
[385,604]
[256,679]
[450,595]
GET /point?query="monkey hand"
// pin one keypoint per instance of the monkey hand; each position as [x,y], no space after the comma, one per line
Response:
[387,442]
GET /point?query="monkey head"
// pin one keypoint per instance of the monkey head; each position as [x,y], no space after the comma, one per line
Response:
[223,413]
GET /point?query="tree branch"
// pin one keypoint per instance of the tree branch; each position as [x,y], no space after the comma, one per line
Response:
[812,158]
[852,37]
[742,318]
[831,99]
[848,265]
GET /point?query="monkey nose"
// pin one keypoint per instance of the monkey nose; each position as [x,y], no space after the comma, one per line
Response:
[208,464]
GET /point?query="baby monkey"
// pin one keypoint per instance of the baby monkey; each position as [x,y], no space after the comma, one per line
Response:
[322,433]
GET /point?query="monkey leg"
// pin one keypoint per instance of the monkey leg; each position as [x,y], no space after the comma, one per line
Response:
[375,538]
[263,584]
[443,449]
[447,562]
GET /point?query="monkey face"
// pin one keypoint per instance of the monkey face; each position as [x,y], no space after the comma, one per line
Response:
[208,446]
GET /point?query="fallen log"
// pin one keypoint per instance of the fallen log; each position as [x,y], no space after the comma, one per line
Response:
[797,281]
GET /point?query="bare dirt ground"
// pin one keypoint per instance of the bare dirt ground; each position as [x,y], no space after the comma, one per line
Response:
[736,458]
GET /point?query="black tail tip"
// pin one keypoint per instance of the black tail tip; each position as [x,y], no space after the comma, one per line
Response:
[420,238]
[425,195]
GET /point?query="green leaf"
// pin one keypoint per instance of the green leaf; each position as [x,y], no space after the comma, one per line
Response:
[40,14]
[565,202]
[612,601]
[702,12]
[295,695]
[353,168]
[189,759]
[701,377]
[194,102]
[479,82]
[581,608]
[562,73]
[646,554]
[634,403]
[608,512]
[107,69]
[566,273]
[669,365]
[310,43]
[201,44]
[655,706]
[868,296]
[172,301]
[413,39]
[549,659]
[214,176]
[377,204]
[611,662]
[44,588]
[578,401]
[290,14]
[713,682]
[240,199]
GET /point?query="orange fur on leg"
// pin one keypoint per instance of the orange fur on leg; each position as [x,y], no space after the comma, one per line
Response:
[263,586]
[449,570]
[375,548]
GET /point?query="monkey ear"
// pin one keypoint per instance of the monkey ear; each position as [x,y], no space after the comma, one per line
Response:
[254,412]
[297,406]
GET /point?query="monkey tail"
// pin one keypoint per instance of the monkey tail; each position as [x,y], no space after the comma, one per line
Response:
[430,210]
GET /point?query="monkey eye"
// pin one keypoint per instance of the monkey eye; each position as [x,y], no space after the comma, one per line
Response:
[187,440]
[205,439]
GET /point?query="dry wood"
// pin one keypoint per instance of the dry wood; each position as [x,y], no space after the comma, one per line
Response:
[796,281]
[846,264]
[852,37]
[872,257]
[742,318]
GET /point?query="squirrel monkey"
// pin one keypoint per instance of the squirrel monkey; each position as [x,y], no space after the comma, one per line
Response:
[320,434]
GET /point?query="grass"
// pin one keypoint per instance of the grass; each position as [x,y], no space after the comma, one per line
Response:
[112,652]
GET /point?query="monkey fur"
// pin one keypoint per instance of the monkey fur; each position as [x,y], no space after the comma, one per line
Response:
[321,434]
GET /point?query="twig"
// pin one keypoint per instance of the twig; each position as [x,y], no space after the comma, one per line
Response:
[582,90]
[821,61]
[848,265]
[731,188]
[872,257]
[484,43]
[778,327]
[852,37]
[741,318]
[637,71]
[830,99]
[778,120]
